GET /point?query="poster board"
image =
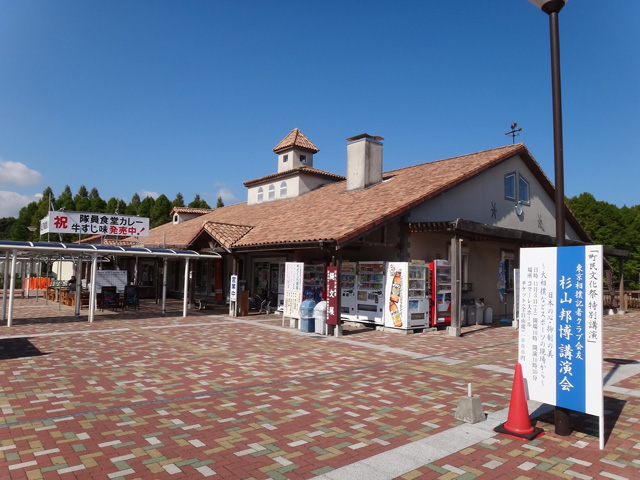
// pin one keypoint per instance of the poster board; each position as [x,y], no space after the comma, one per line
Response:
[115,278]
[560,338]
[293,283]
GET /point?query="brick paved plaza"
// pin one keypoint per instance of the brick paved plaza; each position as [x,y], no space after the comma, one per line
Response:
[142,395]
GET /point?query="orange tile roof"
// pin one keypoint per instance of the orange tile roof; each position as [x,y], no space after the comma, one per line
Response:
[225,233]
[296,138]
[333,215]
[294,171]
[189,210]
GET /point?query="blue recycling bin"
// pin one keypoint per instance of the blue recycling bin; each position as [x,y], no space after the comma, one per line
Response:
[307,322]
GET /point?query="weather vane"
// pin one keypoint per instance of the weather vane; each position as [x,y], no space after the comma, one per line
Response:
[514,131]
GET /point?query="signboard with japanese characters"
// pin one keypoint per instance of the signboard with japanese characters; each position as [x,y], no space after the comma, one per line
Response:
[233,289]
[293,282]
[560,343]
[94,224]
[333,284]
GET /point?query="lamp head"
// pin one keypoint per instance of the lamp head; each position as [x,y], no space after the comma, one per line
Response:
[549,6]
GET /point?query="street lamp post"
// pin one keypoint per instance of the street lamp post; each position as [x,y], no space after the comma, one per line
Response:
[552,8]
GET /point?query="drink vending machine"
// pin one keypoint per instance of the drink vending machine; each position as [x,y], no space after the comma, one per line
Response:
[441,293]
[370,288]
[314,282]
[407,295]
[348,290]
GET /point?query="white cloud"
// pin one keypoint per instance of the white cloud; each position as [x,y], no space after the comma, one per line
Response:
[12,202]
[18,173]
[146,193]
[226,195]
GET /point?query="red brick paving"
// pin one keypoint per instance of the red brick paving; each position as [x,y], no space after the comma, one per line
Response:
[141,394]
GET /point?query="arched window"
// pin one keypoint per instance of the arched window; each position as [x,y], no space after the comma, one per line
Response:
[260,195]
[272,192]
[283,190]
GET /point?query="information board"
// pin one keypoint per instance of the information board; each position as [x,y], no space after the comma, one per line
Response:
[293,282]
[560,342]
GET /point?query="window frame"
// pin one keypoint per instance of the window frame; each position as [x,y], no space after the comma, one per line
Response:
[511,176]
[521,181]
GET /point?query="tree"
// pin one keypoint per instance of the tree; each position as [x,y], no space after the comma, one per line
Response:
[198,203]
[97,204]
[132,208]
[81,200]
[65,200]
[20,228]
[144,210]
[122,207]
[178,201]
[112,205]
[160,213]
[220,203]
[5,227]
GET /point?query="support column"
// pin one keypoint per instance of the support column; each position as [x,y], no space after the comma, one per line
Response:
[164,285]
[186,287]
[12,288]
[4,286]
[92,291]
[455,328]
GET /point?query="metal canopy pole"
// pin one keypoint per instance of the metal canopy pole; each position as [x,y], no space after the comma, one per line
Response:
[92,291]
[12,288]
[77,294]
[4,286]
[186,287]
[164,285]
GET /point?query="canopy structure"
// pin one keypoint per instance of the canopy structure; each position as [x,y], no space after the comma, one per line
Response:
[10,251]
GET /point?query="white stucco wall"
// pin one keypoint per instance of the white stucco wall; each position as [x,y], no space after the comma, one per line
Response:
[482,199]
[293,160]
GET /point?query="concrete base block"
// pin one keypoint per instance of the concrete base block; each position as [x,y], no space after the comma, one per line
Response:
[470,410]
[294,323]
[454,331]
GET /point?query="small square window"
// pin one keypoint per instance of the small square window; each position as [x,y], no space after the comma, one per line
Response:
[303,158]
[510,186]
[285,158]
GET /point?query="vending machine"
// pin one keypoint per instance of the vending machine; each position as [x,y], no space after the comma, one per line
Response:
[441,293]
[348,302]
[407,295]
[370,292]
[313,284]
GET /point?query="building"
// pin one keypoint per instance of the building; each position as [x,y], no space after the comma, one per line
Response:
[491,202]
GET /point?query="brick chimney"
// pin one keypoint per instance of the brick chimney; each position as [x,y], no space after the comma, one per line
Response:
[364,161]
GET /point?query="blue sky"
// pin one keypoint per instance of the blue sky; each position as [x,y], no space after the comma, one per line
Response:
[166,96]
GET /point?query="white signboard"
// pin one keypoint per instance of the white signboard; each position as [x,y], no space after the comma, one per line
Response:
[233,290]
[114,278]
[293,283]
[560,344]
[94,224]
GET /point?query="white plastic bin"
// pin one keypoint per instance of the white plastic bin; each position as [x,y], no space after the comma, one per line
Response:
[320,316]
[488,316]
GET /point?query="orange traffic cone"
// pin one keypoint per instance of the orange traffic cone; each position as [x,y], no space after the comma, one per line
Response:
[518,424]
